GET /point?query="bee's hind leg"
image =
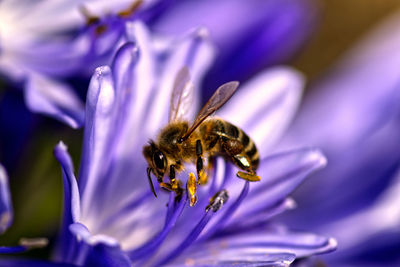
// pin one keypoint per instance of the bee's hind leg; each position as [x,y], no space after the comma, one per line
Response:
[248,174]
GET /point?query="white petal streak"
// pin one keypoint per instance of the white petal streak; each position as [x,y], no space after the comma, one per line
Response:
[97,140]
[265,105]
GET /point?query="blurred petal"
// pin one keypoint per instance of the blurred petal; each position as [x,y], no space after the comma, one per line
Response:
[265,105]
[354,117]
[24,245]
[250,35]
[34,263]
[6,211]
[55,99]
[384,210]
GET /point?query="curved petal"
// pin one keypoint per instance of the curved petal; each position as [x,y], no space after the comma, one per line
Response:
[71,210]
[97,146]
[95,250]
[258,245]
[265,105]
[193,51]
[6,211]
[71,192]
[47,96]
[241,259]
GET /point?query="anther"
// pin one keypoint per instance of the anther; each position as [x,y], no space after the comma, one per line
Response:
[192,188]
[218,200]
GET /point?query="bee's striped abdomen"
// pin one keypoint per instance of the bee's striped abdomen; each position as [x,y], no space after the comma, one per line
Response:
[238,142]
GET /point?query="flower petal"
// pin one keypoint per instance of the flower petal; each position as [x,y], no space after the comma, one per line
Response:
[250,35]
[105,256]
[34,263]
[47,96]
[96,250]
[370,232]
[265,105]
[280,175]
[193,51]
[97,144]
[6,211]
[257,245]
[71,210]
[353,115]
[243,259]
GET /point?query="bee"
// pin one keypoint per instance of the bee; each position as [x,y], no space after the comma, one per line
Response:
[181,143]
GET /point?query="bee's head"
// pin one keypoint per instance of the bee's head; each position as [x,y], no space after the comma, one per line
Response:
[156,159]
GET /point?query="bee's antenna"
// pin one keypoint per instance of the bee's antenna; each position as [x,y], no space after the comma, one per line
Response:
[151,182]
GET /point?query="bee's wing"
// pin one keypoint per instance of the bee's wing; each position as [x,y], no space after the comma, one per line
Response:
[218,99]
[182,96]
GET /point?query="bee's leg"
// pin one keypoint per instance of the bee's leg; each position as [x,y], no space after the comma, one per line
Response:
[243,162]
[201,175]
[175,183]
[248,176]
[208,169]
[166,186]
[234,148]
[192,188]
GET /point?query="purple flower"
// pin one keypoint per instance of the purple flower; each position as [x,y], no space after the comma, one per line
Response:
[55,41]
[110,215]
[354,117]
[44,42]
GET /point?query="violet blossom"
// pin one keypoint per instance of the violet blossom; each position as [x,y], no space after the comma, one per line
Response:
[56,41]
[111,218]
[44,42]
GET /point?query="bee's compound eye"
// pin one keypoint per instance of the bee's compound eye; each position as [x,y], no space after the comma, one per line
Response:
[159,160]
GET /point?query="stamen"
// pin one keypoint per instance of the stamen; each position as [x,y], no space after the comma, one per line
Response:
[33,242]
[217,201]
[174,211]
[189,239]
[131,9]
[90,19]
[228,213]
[192,188]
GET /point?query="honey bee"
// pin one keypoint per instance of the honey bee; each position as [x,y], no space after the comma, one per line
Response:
[181,143]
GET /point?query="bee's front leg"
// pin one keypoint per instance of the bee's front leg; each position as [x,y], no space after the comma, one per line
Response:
[175,183]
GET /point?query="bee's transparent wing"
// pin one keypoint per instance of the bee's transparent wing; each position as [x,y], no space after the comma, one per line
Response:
[182,96]
[218,99]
